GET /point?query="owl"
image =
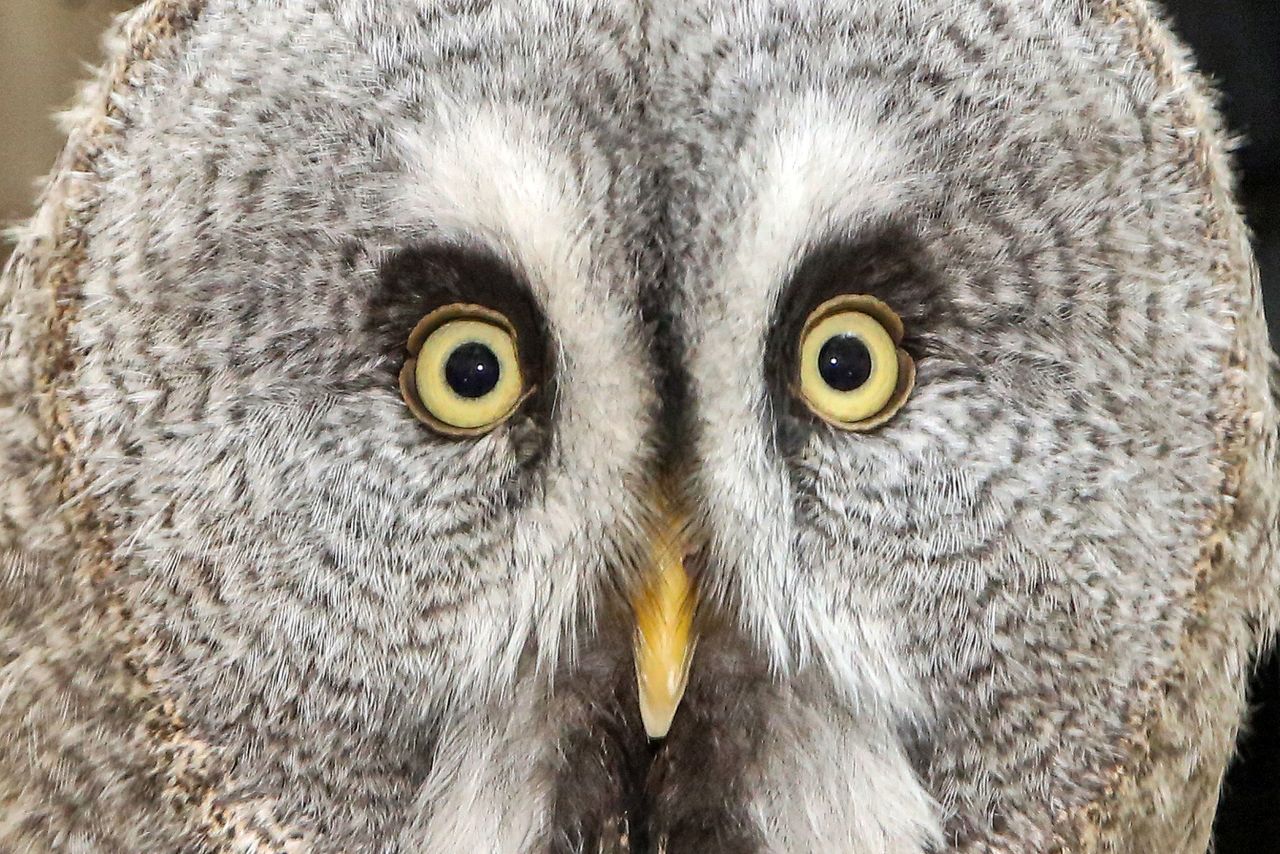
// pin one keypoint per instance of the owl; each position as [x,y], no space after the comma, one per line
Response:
[591,426]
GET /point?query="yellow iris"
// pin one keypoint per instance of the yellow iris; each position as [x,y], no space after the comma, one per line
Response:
[464,376]
[852,372]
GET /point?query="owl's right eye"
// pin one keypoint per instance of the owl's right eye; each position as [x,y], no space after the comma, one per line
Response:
[463,377]
[850,370]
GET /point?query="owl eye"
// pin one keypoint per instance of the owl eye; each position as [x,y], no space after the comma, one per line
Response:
[852,373]
[463,377]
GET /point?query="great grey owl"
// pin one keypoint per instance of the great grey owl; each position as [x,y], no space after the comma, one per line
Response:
[592,426]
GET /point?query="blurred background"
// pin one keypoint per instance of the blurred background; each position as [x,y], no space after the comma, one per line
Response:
[44,45]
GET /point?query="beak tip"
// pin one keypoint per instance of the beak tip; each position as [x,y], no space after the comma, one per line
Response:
[657,721]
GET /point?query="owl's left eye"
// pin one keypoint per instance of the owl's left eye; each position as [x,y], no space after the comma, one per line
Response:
[463,377]
[851,371]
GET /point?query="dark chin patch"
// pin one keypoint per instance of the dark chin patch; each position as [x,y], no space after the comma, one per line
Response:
[599,800]
[616,791]
[699,784]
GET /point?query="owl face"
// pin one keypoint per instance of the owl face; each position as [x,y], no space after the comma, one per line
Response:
[570,426]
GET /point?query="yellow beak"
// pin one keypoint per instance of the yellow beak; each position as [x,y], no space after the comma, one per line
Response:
[664,636]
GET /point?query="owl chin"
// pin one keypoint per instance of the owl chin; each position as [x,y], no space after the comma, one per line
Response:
[739,764]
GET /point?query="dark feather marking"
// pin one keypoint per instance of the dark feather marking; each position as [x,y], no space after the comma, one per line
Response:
[700,782]
[618,792]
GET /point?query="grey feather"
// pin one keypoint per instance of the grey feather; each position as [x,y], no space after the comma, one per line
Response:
[248,603]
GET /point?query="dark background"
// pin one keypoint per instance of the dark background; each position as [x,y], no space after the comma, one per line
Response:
[44,42]
[1238,45]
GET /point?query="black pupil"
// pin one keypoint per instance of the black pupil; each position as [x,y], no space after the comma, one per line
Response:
[472,370]
[844,362]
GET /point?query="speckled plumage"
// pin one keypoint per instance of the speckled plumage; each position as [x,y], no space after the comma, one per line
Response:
[248,603]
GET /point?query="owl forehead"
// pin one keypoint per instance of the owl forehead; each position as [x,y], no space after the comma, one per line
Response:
[922,132]
[372,135]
